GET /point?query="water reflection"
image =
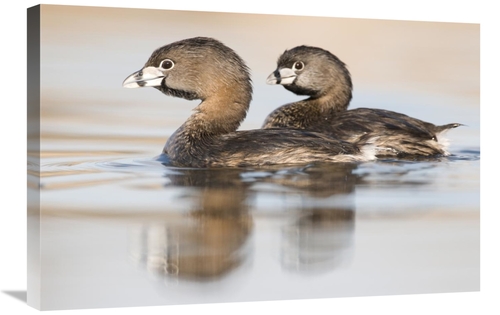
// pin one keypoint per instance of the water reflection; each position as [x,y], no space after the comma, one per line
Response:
[209,242]
[208,234]
[204,232]
[320,237]
[212,240]
[319,241]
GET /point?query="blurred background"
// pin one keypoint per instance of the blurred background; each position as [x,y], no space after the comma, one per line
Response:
[88,51]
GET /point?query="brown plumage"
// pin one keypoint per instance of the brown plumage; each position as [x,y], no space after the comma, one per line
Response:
[319,74]
[204,68]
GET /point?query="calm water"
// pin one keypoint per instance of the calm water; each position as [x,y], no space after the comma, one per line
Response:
[119,228]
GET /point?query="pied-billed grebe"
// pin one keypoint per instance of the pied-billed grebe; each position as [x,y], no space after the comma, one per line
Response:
[317,73]
[204,68]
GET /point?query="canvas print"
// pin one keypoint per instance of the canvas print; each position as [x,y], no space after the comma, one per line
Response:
[180,157]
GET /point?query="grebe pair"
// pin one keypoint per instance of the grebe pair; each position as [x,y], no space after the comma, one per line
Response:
[318,129]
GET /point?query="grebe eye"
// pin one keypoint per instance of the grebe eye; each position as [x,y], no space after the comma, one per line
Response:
[167,64]
[299,65]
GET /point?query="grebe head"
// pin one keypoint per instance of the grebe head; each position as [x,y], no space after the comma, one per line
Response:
[312,71]
[194,68]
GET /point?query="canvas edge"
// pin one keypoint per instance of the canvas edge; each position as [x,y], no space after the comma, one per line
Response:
[33,157]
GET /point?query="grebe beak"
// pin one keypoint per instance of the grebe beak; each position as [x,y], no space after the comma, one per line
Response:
[148,76]
[283,76]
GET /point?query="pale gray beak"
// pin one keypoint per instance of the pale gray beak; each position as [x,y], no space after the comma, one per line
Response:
[149,76]
[282,76]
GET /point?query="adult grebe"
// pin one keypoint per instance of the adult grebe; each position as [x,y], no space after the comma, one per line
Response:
[317,73]
[204,68]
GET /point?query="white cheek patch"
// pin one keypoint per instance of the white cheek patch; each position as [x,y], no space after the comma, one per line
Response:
[149,76]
